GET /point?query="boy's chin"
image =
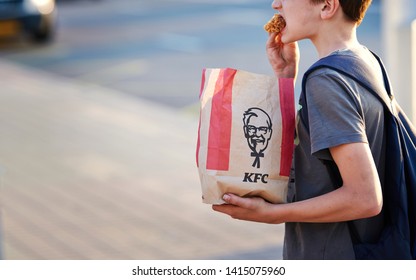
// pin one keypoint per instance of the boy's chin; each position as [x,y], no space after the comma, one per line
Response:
[286,39]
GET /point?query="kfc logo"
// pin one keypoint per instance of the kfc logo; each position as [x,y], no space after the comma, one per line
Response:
[258,131]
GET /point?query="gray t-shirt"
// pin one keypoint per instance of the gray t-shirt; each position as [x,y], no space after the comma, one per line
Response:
[340,111]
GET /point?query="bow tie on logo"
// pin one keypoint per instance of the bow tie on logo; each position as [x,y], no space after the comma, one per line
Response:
[256,162]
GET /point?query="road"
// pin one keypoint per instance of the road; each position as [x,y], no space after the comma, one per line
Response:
[156,49]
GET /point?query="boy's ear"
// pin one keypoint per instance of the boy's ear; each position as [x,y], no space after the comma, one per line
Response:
[329,8]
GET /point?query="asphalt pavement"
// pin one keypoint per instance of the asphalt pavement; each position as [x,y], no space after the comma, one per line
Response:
[92,173]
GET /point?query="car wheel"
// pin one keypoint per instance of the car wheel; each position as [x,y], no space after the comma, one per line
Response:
[44,33]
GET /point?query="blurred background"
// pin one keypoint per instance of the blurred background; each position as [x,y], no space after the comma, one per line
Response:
[98,126]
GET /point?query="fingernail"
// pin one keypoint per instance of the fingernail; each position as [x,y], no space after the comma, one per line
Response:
[226,197]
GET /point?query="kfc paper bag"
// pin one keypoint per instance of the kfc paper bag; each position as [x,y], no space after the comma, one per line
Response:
[245,136]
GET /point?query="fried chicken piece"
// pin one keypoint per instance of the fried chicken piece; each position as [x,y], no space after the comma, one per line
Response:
[276,24]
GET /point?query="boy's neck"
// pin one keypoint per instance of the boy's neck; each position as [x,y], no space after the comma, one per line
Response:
[333,38]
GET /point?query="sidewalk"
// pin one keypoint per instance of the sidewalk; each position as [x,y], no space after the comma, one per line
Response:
[91,173]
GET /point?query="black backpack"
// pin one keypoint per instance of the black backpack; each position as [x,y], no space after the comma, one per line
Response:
[397,240]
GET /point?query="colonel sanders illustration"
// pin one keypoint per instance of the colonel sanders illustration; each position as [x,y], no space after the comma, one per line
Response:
[258,131]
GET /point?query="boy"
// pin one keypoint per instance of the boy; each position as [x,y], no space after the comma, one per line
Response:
[345,126]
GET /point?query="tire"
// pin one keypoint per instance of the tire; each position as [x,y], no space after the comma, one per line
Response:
[45,32]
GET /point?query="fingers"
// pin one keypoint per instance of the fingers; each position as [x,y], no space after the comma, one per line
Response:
[240,208]
[236,200]
[231,202]
[277,39]
[254,209]
[232,208]
[274,40]
[223,208]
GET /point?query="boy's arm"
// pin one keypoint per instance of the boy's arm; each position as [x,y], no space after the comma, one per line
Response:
[359,197]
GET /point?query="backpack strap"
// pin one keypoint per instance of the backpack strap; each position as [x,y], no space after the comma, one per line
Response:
[355,69]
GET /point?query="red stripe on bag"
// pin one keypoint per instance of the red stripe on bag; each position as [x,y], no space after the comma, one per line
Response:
[198,142]
[219,138]
[287,107]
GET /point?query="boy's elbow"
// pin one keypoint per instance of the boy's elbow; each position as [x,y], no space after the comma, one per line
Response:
[372,206]
[375,209]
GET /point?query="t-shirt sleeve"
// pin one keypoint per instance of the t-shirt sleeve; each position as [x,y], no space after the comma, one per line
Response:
[334,112]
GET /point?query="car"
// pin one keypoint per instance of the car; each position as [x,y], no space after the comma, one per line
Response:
[36,18]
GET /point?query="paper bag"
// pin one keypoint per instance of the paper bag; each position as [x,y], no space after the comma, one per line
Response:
[245,136]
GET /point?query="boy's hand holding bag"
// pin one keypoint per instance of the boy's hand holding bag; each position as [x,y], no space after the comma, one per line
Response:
[246,135]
